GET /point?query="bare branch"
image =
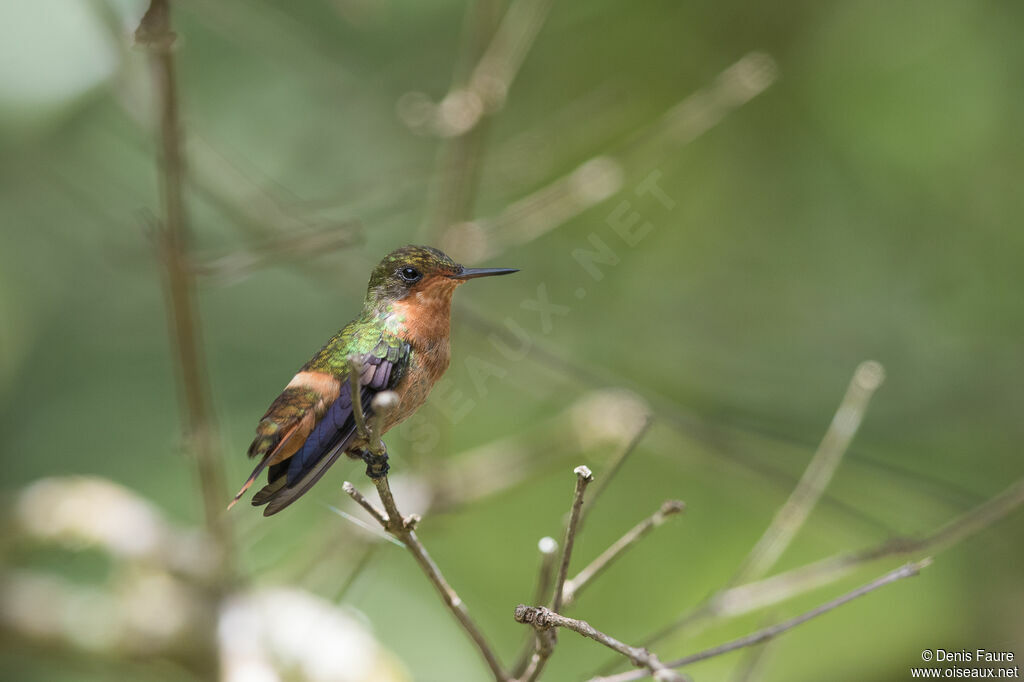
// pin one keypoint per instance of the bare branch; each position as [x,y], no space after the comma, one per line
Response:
[793,514]
[548,547]
[545,639]
[598,565]
[361,500]
[765,634]
[155,34]
[616,466]
[750,667]
[403,529]
[362,563]
[297,245]
[492,78]
[791,517]
[743,599]
[583,479]
[543,619]
[602,176]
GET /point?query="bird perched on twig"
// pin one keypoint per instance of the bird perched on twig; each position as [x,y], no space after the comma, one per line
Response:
[398,343]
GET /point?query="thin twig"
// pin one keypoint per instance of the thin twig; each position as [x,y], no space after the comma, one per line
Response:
[403,529]
[794,513]
[295,246]
[743,599]
[752,663]
[498,66]
[361,500]
[583,479]
[546,640]
[791,517]
[548,547]
[765,634]
[598,565]
[616,466]
[679,418]
[458,118]
[369,551]
[543,619]
[154,33]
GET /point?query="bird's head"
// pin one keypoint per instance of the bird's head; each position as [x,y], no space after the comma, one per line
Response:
[418,273]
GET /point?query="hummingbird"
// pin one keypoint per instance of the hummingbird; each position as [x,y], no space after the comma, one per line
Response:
[400,339]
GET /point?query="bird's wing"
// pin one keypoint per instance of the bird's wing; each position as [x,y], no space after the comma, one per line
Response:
[308,433]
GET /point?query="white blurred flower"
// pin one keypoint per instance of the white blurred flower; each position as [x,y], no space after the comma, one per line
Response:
[284,629]
[85,511]
[608,416]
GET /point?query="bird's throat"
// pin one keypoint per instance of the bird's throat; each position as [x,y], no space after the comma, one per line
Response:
[423,317]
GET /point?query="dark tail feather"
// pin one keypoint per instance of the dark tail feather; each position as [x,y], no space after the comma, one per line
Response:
[284,496]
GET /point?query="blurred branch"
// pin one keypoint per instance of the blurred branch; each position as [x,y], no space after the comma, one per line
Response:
[497,69]
[295,246]
[461,116]
[765,634]
[547,546]
[263,208]
[790,518]
[679,418]
[543,619]
[742,599]
[600,419]
[574,586]
[602,176]
[279,231]
[752,664]
[154,32]
[794,513]
[492,54]
[616,466]
[361,565]
[457,119]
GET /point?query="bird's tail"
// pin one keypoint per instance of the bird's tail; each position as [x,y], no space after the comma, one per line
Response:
[252,478]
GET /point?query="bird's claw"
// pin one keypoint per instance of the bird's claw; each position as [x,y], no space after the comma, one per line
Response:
[376,464]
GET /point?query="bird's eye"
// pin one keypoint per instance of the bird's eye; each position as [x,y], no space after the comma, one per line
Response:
[409,274]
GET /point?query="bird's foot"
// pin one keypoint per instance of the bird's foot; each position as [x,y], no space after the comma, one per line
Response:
[376,464]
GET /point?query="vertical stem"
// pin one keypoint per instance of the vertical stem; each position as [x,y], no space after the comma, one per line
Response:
[457,172]
[583,479]
[155,33]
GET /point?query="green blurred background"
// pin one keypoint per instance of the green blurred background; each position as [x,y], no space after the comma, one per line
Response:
[866,205]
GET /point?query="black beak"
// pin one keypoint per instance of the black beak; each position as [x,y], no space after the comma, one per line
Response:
[472,273]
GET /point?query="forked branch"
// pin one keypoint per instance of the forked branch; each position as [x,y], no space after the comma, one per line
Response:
[542,619]
[575,585]
[765,634]
[403,528]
